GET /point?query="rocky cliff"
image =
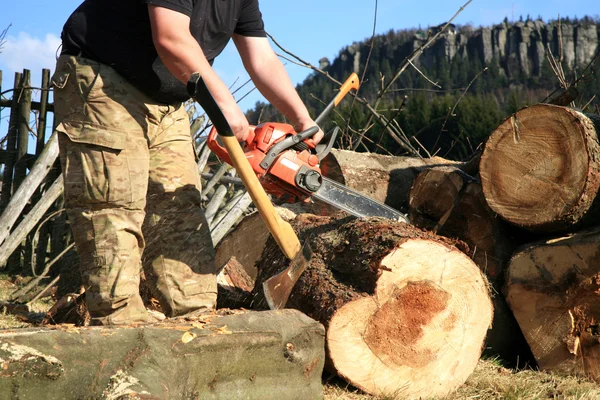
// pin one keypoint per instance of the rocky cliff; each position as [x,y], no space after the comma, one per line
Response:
[518,48]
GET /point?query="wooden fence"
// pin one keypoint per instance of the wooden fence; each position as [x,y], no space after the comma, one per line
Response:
[22,145]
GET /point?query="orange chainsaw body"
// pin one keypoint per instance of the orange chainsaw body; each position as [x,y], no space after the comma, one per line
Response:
[280,177]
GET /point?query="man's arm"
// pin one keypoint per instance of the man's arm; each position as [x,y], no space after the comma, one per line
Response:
[271,79]
[182,56]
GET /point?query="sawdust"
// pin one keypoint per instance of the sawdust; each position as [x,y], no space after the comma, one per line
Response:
[395,329]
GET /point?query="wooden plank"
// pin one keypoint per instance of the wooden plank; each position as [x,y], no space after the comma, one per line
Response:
[22,195]
[35,105]
[30,221]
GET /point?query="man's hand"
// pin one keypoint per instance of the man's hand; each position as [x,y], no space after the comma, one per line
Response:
[307,124]
[237,122]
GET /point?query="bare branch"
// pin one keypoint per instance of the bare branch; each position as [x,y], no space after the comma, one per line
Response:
[305,63]
[423,75]
[3,37]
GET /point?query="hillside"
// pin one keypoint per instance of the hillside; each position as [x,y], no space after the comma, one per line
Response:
[518,73]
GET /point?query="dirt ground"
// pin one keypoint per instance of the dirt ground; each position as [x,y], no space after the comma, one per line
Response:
[489,381]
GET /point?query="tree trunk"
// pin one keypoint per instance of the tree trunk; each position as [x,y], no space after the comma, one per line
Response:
[406,312]
[450,203]
[385,178]
[540,169]
[553,289]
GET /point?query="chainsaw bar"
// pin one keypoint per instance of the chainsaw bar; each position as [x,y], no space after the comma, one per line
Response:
[355,203]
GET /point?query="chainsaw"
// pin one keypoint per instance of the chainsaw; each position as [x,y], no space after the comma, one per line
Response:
[287,164]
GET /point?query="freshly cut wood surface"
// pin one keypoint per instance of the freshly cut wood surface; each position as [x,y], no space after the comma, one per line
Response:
[553,289]
[540,169]
[406,311]
[245,243]
[450,203]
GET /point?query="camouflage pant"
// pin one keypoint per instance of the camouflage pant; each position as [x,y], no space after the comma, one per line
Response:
[132,195]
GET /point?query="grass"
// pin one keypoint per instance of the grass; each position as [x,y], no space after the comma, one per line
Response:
[12,321]
[491,381]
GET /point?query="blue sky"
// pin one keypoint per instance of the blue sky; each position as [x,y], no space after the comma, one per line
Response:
[311,29]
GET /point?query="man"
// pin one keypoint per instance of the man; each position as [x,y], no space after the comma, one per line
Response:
[131,182]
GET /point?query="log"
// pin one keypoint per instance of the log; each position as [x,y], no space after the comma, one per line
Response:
[245,243]
[215,203]
[249,355]
[233,275]
[553,289]
[406,311]
[451,203]
[540,169]
[385,178]
[10,154]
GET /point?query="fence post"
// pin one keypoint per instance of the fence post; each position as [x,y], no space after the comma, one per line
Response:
[23,116]
[11,147]
[41,250]
[43,116]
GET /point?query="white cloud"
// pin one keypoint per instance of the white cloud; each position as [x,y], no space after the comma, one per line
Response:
[27,52]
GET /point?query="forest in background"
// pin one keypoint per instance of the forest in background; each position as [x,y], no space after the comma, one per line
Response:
[461,87]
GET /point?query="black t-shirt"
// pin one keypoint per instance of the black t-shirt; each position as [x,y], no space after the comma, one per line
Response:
[118,33]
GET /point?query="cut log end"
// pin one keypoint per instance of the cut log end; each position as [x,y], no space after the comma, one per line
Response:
[421,334]
[539,170]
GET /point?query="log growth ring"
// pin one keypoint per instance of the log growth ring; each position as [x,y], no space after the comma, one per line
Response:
[533,171]
[421,334]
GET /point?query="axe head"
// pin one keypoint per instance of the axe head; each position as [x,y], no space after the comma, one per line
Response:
[277,288]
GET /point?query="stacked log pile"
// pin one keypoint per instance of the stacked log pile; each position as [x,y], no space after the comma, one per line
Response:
[540,171]
[528,216]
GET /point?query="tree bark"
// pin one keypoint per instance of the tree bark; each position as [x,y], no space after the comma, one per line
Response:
[553,289]
[406,311]
[540,169]
[450,203]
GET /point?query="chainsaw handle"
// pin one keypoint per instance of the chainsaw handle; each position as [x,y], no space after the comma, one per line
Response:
[219,150]
[351,83]
[285,144]
[322,149]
